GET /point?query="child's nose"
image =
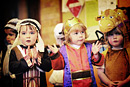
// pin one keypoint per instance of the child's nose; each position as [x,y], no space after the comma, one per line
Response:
[7,37]
[114,36]
[28,35]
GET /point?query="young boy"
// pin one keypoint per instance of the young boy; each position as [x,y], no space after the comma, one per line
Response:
[28,57]
[78,69]
[116,70]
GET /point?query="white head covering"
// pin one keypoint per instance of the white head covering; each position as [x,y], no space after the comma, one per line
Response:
[12,23]
[58,33]
[40,43]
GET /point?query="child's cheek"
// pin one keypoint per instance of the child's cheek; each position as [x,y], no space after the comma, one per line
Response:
[110,40]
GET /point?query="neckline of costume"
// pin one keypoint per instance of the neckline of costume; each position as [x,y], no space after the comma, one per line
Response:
[75,46]
[25,47]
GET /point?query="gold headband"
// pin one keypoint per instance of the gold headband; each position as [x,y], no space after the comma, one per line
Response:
[69,23]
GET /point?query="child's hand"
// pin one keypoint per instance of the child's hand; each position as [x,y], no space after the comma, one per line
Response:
[53,48]
[35,53]
[112,84]
[119,83]
[29,52]
[36,56]
[96,47]
[39,60]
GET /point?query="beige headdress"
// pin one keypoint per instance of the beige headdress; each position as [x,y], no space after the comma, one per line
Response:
[40,43]
[12,23]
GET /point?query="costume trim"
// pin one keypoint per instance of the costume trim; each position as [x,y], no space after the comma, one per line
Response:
[67,73]
[89,47]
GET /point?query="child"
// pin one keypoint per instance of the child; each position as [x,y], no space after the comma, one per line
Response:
[116,70]
[11,33]
[58,33]
[28,58]
[78,70]
[56,77]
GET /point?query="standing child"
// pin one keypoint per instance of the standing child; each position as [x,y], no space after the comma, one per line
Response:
[11,34]
[28,58]
[56,77]
[78,70]
[116,70]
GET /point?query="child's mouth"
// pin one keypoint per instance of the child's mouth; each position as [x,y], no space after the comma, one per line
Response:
[28,41]
[115,41]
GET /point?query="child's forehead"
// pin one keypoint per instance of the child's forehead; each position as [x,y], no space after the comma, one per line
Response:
[27,27]
[116,30]
[78,29]
[9,30]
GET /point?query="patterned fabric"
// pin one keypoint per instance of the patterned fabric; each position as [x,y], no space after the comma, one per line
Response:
[31,78]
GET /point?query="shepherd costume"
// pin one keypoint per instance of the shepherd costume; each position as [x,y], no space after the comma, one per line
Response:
[29,76]
[6,78]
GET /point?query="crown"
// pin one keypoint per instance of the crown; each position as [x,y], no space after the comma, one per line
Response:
[69,23]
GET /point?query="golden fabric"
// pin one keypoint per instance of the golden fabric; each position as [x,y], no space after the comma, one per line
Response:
[117,64]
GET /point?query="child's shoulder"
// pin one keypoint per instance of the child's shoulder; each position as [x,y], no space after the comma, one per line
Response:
[14,48]
[87,44]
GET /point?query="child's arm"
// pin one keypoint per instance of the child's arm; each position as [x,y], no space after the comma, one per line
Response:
[97,58]
[16,66]
[57,59]
[104,78]
[41,59]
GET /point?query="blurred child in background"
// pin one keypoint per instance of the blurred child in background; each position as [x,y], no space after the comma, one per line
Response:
[56,77]
[11,34]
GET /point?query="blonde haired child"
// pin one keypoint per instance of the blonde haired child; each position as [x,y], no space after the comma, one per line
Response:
[28,57]
[78,60]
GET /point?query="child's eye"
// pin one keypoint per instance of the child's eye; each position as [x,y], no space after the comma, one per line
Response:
[82,32]
[76,33]
[10,34]
[110,34]
[23,33]
[118,33]
[32,32]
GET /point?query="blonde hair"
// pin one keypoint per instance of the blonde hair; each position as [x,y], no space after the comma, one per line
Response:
[78,26]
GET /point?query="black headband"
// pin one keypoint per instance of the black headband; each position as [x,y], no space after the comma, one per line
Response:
[30,22]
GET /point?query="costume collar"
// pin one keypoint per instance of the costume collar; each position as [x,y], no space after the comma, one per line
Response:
[75,46]
[25,47]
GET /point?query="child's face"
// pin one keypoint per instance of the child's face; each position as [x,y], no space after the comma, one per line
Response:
[77,37]
[28,36]
[115,38]
[10,36]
